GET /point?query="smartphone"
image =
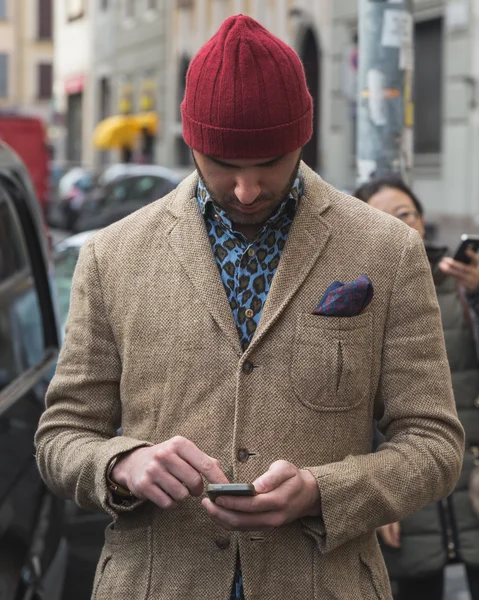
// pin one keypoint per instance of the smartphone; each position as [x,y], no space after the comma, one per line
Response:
[230,489]
[468,242]
[435,254]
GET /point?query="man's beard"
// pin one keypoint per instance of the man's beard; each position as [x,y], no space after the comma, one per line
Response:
[274,201]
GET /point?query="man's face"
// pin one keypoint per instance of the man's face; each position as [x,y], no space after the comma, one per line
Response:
[248,190]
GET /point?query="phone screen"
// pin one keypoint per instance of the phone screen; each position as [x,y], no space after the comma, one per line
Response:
[467,243]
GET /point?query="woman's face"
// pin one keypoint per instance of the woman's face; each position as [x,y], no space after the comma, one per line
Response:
[399,205]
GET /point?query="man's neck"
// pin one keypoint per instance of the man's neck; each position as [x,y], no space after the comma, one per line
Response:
[249,231]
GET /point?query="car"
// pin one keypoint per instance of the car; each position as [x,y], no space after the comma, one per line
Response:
[126,191]
[66,255]
[33,548]
[73,190]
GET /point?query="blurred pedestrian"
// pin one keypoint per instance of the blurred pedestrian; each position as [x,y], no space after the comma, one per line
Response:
[418,548]
[213,327]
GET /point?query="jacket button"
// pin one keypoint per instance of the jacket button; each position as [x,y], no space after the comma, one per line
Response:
[242,455]
[223,543]
[476,402]
[248,367]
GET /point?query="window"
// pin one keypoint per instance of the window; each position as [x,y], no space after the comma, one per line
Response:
[3,9]
[75,9]
[45,81]
[45,19]
[163,187]
[105,98]
[21,327]
[3,75]
[428,86]
[12,256]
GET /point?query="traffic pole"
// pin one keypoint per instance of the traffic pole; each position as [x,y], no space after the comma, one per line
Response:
[385,123]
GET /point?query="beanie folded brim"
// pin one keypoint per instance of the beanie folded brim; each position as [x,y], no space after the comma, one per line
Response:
[270,142]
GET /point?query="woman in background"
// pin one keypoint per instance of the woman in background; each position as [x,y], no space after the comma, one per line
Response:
[418,549]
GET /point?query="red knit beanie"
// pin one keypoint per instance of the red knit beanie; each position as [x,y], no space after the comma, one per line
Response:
[246,95]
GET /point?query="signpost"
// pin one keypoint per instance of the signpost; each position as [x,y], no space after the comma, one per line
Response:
[385,95]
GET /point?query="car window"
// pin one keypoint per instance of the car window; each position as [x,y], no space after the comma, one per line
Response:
[12,256]
[117,192]
[69,179]
[65,263]
[85,183]
[143,188]
[164,187]
[21,326]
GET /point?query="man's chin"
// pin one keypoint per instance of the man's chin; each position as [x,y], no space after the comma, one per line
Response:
[252,219]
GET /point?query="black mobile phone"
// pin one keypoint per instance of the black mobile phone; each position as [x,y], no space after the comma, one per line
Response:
[468,242]
[435,254]
[230,489]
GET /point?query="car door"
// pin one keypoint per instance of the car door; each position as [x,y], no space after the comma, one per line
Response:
[30,517]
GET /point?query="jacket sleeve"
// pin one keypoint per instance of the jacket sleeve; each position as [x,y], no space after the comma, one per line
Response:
[77,436]
[421,458]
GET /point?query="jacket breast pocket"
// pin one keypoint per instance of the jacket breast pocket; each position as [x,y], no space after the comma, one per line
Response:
[331,364]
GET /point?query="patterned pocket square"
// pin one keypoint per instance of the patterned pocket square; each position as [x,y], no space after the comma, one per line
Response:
[346,299]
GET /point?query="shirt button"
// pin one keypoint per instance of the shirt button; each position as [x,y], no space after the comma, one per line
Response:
[217,217]
[248,367]
[242,455]
[249,313]
[251,252]
[223,543]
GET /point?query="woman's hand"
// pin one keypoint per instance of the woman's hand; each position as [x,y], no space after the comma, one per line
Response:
[467,275]
[391,534]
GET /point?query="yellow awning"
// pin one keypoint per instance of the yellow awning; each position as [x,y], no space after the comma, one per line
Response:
[147,120]
[122,131]
[116,132]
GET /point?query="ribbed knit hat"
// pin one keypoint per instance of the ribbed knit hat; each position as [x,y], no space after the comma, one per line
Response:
[246,95]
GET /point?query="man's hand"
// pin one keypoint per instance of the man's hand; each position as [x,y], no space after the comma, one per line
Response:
[391,534]
[467,275]
[167,473]
[284,494]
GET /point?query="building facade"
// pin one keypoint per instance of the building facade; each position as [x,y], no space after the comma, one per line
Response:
[446,177]
[26,57]
[132,55]
[73,87]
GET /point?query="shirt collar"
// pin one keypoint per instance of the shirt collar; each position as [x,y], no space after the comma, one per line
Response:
[206,203]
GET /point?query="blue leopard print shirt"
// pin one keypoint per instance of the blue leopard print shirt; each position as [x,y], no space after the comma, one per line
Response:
[247,268]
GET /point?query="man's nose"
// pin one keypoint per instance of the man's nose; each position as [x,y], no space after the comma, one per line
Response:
[247,190]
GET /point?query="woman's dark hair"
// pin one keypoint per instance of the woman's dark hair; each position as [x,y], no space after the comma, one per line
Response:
[366,191]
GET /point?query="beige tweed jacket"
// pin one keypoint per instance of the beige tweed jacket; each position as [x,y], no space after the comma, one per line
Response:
[151,347]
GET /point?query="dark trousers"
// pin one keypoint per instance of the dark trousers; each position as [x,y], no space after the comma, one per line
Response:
[431,587]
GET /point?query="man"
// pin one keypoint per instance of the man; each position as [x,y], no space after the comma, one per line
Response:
[198,326]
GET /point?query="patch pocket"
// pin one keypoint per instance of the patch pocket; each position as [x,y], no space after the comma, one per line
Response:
[369,589]
[331,364]
[125,565]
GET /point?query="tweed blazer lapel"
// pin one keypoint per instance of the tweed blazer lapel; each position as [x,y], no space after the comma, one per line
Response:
[307,239]
[189,241]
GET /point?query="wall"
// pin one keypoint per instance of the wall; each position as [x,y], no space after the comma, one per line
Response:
[73,58]
[8,44]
